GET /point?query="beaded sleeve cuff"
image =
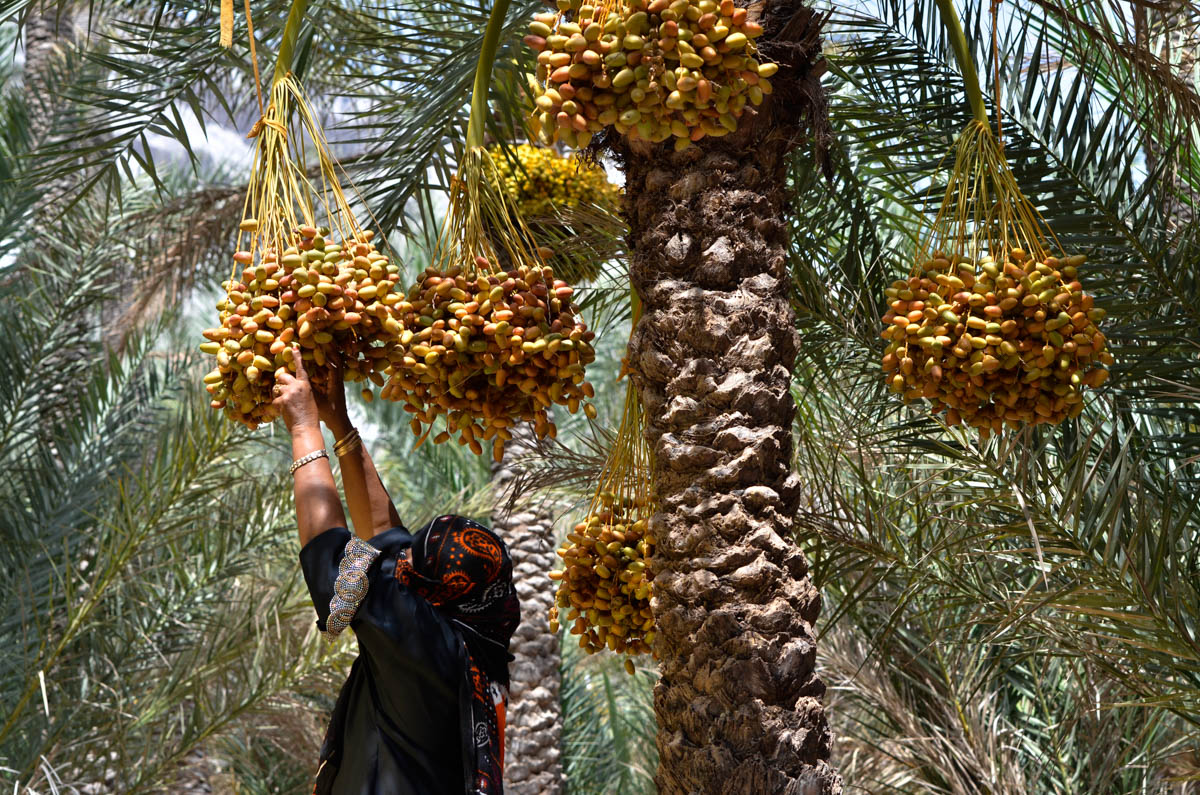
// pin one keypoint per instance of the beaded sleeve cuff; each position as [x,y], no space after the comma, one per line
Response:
[350,587]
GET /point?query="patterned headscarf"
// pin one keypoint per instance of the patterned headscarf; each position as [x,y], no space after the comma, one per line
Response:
[463,569]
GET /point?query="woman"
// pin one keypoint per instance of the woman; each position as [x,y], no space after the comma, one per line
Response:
[423,709]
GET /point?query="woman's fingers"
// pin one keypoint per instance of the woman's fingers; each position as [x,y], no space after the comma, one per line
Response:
[301,373]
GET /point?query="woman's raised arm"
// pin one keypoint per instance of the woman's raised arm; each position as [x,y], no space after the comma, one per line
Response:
[318,506]
[371,508]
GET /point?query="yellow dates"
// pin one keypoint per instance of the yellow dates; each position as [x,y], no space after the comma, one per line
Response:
[646,69]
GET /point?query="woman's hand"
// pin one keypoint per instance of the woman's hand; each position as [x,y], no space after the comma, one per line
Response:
[294,396]
[330,394]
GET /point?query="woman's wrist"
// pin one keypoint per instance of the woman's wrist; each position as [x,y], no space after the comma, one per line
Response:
[304,426]
[306,437]
[339,425]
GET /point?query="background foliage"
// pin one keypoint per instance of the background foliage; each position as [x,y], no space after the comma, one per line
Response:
[1015,616]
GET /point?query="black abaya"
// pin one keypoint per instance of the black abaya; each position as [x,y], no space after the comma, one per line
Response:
[398,725]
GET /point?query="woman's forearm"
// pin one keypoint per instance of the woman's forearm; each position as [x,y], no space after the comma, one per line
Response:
[318,506]
[371,508]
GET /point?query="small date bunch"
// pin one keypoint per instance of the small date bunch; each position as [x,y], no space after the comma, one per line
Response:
[604,585]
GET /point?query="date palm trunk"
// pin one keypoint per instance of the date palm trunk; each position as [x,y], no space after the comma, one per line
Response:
[1172,33]
[532,762]
[41,59]
[48,33]
[738,703]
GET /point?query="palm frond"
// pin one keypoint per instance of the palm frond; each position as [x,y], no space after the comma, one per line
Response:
[411,117]
[134,78]
[608,725]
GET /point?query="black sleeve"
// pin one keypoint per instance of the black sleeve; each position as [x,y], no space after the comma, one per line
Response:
[319,559]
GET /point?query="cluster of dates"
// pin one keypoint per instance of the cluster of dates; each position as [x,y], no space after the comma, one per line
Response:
[995,343]
[486,349]
[657,70]
[332,299]
[605,586]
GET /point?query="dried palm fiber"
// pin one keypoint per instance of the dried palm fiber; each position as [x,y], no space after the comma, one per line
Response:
[563,200]
[605,583]
[305,271]
[657,70]
[992,327]
[491,336]
[226,23]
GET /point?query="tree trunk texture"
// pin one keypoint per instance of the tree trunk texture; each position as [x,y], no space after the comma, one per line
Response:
[46,32]
[738,703]
[42,55]
[532,763]
[1171,33]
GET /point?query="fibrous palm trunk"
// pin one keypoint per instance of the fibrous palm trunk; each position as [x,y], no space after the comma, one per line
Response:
[47,34]
[41,58]
[1172,33]
[738,704]
[534,721]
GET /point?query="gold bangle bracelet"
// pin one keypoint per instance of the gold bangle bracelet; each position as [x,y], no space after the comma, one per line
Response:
[348,443]
[343,444]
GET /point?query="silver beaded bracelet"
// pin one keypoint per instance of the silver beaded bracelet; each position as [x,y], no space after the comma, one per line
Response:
[350,587]
[313,456]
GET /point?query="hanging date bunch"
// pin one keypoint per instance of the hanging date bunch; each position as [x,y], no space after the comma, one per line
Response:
[491,336]
[655,70]
[993,327]
[305,273]
[605,584]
